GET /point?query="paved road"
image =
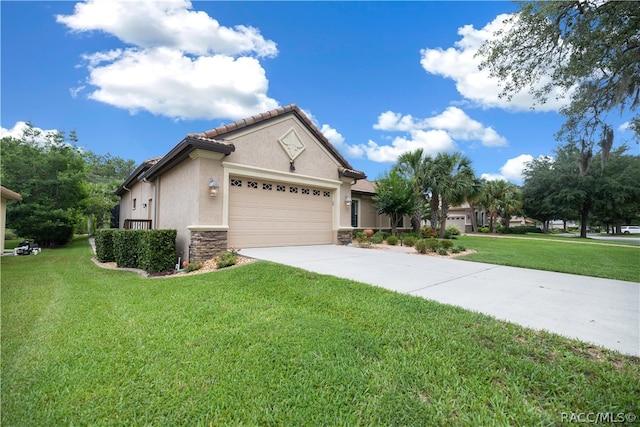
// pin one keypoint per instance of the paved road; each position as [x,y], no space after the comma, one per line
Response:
[600,311]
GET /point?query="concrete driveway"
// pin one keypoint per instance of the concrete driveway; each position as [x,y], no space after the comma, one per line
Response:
[600,311]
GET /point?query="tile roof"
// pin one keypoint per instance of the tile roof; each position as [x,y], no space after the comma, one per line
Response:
[280,111]
[364,186]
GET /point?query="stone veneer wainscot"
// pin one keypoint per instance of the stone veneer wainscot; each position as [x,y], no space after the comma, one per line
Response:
[206,245]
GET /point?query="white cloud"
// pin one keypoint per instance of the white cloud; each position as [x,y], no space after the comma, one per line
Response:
[179,63]
[512,169]
[169,23]
[435,134]
[17,131]
[431,142]
[453,120]
[460,64]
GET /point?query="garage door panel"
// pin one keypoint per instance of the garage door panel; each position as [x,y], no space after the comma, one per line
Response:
[277,214]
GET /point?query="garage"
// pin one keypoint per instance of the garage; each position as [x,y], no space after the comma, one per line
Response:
[270,213]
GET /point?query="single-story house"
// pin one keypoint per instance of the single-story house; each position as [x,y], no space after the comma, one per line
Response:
[272,179]
[5,196]
[363,211]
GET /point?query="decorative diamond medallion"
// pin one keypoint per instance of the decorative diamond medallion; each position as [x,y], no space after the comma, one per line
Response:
[292,144]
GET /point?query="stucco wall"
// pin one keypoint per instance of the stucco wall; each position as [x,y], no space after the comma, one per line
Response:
[143,194]
[179,191]
[259,147]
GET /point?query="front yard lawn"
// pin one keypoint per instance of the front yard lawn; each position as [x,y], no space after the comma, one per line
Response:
[569,255]
[264,344]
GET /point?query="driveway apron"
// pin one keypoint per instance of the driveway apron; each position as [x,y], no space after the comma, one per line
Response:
[598,311]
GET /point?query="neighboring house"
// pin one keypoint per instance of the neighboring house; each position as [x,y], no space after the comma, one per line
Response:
[363,211]
[272,179]
[5,196]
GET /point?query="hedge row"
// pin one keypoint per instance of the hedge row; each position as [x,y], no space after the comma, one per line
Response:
[150,250]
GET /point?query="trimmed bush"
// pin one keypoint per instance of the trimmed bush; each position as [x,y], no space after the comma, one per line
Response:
[447,244]
[427,231]
[452,230]
[523,229]
[392,240]
[462,248]
[377,238]
[455,250]
[421,246]
[432,244]
[409,241]
[126,247]
[226,259]
[157,250]
[443,251]
[483,229]
[104,245]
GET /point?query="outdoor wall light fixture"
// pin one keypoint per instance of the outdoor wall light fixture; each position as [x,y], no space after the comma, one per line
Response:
[347,200]
[213,187]
[292,167]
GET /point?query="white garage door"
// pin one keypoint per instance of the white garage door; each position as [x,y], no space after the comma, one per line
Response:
[264,213]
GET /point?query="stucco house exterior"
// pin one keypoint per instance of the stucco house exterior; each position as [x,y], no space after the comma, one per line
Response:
[5,196]
[271,179]
[363,212]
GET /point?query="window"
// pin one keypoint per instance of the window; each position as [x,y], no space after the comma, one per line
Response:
[266,186]
[135,203]
[252,184]
[280,188]
[293,190]
[316,192]
[327,194]
[305,191]
[236,183]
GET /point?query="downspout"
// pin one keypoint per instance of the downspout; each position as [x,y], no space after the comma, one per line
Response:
[156,202]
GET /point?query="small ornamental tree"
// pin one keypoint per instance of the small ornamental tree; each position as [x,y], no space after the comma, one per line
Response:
[394,197]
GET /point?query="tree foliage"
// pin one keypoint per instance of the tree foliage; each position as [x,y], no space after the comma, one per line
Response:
[587,49]
[394,197]
[50,177]
[501,199]
[58,182]
[453,179]
[555,189]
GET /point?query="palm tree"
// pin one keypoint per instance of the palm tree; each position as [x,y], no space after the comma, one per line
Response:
[454,181]
[414,166]
[501,199]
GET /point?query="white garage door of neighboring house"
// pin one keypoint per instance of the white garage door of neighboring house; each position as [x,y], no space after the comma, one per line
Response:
[264,213]
[458,221]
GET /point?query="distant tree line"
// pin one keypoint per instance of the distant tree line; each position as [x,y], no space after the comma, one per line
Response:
[62,186]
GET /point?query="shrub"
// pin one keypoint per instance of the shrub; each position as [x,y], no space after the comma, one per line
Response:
[421,246]
[447,244]
[392,240]
[362,240]
[126,247]
[10,234]
[483,229]
[193,266]
[226,259]
[455,250]
[452,230]
[157,250]
[360,236]
[443,251]
[432,244]
[524,229]
[427,231]
[462,248]
[377,238]
[104,245]
[409,241]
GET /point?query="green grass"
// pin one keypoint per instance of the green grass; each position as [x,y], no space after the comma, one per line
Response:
[11,243]
[566,255]
[265,344]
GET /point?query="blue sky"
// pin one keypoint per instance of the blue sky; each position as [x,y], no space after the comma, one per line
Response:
[378,78]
